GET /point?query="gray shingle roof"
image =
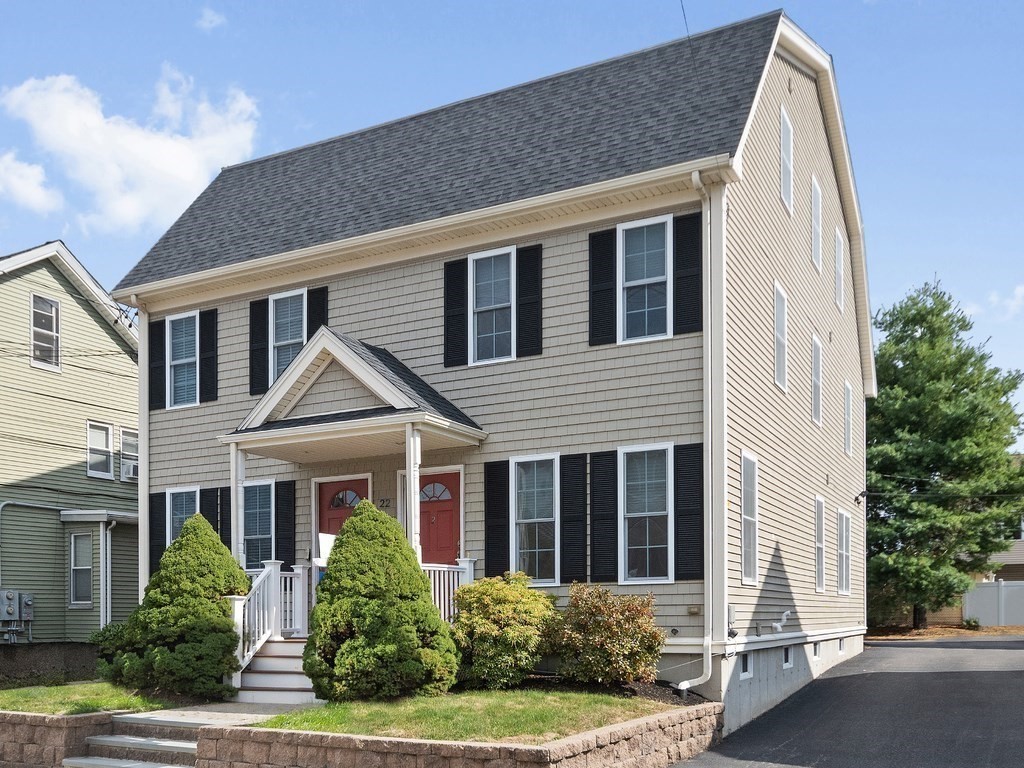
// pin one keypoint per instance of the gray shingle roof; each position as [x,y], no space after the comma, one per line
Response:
[680,101]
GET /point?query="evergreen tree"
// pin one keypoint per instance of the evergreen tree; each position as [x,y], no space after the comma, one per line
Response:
[944,493]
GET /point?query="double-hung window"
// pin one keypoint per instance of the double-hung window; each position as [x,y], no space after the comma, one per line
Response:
[258,522]
[816,374]
[839,269]
[748,518]
[492,286]
[843,550]
[645,292]
[535,536]
[848,419]
[45,332]
[81,568]
[819,544]
[182,368]
[287,329]
[780,337]
[129,454]
[816,223]
[786,159]
[645,474]
[101,451]
[182,503]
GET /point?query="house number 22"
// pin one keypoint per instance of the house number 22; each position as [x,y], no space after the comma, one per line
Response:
[384,503]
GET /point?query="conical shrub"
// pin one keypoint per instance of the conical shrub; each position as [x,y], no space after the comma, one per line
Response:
[375,632]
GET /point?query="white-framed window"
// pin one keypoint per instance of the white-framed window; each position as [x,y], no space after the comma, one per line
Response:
[81,568]
[787,656]
[535,520]
[815,223]
[840,258]
[45,332]
[843,551]
[258,523]
[129,454]
[643,267]
[819,544]
[287,329]
[645,518]
[848,418]
[183,360]
[746,666]
[816,376]
[786,159]
[748,518]
[492,307]
[101,451]
[781,342]
[182,503]
[816,650]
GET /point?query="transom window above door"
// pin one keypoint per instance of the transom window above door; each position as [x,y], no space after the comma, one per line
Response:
[287,329]
[344,499]
[435,492]
[492,286]
[644,263]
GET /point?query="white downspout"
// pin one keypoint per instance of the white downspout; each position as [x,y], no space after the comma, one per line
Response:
[107,616]
[103,574]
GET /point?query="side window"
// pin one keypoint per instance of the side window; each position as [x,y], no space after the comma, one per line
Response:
[45,332]
[816,375]
[81,568]
[645,503]
[258,525]
[183,360]
[491,288]
[843,551]
[535,527]
[781,342]
[848,419]
[748,518]
[182,503]
[786,160]
[101,451]
[129,454]
[819,544]
[839,269]
[287,329]
[815,223]
[643,268]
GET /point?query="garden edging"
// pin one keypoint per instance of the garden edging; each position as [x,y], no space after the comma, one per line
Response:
[655,741]
[29,740]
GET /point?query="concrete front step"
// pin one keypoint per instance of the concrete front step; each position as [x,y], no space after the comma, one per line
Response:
[275,696]
[109,762]
[284,680]
[141,748]
[283,648]
[270,663]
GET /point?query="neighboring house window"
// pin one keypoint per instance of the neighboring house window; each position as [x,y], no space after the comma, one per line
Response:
[780,336]
[129,454]
[182,503]
[819,544]
[101,451]
[816,650]
[645,292]
[258,531]
[787,656]
[287,329]
[839,269]
[646,525]
[816,223]
[81,568]
[786,155]
[843,535]
[816,375]
[535,506]
[748,518]
[746,666]
[848,419]
[45,332]
[491,288]
[183,369]
[842,645]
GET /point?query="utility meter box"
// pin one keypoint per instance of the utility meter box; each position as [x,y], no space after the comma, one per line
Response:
[10,605]
[27,606]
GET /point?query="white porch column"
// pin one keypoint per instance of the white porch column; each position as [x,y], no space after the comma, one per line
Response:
[274,597]
[413,456]
[238,500]
[468,568]
[300,600]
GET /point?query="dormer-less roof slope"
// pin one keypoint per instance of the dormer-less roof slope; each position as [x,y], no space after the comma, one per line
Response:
[681,101]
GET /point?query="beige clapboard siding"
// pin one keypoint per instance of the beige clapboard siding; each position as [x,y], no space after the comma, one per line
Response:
[797,459]
[335,390]
[124,592]
[572,399]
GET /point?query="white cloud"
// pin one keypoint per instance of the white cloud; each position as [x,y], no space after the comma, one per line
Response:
[135,175]
[1010,305]
[209,20]
[24,184]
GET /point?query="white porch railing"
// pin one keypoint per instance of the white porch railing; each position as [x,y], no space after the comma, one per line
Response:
[444,580]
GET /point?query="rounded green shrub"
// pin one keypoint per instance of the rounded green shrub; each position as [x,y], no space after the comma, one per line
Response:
[607,639]
[375,632]
[498,629]
[181,639]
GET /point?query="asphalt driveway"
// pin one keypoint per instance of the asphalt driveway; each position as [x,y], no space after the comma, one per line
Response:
[929,704]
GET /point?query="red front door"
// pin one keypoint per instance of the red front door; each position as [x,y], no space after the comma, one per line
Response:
[337,500]
[440,512]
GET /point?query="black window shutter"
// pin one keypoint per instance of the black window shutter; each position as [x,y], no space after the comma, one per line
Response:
[604,516]
[208,503]
[602,287]
[529,325]
[259,346]
[208,356]
[157,360]
[688,476]
[496,522]
[456,310]
[316,310]
[688,293]
[572,491]
[157,530]
[225,516]
[284,522]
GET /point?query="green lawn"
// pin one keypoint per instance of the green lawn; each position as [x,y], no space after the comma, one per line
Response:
[524,716]
[76,699]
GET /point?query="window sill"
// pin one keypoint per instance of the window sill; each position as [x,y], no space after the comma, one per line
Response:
[99,476]
[642,339]
[491,361]
[45,366]
[79,606]
[628,582]
[748,582]
[180,406]
[746,675]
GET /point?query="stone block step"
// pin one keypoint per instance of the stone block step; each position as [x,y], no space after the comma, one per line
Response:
[152,726]
[141,748]
[109,762]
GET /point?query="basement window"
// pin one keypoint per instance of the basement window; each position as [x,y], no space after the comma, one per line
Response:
[746,666]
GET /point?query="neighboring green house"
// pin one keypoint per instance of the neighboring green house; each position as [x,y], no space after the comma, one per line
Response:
[69,475]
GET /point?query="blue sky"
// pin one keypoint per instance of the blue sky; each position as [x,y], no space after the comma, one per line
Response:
[114,116]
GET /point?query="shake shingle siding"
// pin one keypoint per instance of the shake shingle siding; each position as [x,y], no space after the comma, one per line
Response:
[624,116]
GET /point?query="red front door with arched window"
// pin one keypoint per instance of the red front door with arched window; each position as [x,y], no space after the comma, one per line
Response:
[337,500]
[440,517]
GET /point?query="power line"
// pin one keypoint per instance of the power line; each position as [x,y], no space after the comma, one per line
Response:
[76,401]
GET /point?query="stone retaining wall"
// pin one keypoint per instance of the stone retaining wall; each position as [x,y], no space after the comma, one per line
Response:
[650,742]
[43,741]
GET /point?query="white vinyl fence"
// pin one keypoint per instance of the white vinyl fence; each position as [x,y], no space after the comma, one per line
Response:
[996,603]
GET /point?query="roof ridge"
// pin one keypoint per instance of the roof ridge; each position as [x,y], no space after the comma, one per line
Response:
[479,97]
